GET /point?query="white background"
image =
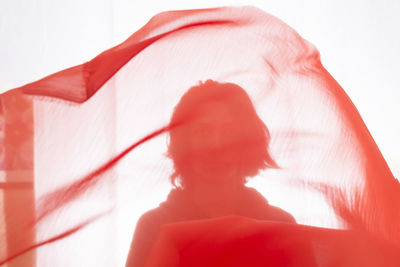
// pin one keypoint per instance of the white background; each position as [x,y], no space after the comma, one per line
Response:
[359,42]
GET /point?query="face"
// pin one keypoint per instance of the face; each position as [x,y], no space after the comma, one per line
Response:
[210,143]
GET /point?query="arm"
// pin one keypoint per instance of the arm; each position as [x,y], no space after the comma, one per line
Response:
[142,241]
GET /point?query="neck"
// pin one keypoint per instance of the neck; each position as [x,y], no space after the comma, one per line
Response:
[216,198]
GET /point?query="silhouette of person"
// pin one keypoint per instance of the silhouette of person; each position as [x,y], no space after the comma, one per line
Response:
[219,144]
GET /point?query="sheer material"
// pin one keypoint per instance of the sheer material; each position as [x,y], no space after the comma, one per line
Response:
[93,148]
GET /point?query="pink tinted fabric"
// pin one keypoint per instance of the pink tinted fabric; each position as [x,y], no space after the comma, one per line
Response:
[306,187]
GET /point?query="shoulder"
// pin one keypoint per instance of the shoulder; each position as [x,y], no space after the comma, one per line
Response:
[154,218]
[264,209]
[281,215]
[166,212]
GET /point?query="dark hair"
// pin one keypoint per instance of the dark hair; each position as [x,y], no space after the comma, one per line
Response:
[250,151]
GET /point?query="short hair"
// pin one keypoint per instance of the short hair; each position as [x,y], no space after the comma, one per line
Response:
[251,149]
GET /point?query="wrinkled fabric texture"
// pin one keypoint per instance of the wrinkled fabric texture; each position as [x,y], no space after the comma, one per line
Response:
[84,156]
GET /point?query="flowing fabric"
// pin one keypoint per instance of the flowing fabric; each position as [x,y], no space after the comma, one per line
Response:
[88,155]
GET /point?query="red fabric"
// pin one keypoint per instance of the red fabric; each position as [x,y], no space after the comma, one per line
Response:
[219,136]
[240,241]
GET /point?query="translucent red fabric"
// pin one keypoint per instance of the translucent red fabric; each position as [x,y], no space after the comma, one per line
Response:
[209,137]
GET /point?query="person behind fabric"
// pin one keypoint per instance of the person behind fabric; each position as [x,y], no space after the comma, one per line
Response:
[219,144]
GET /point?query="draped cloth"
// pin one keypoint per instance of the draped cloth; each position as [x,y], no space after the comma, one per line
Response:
[85,156]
